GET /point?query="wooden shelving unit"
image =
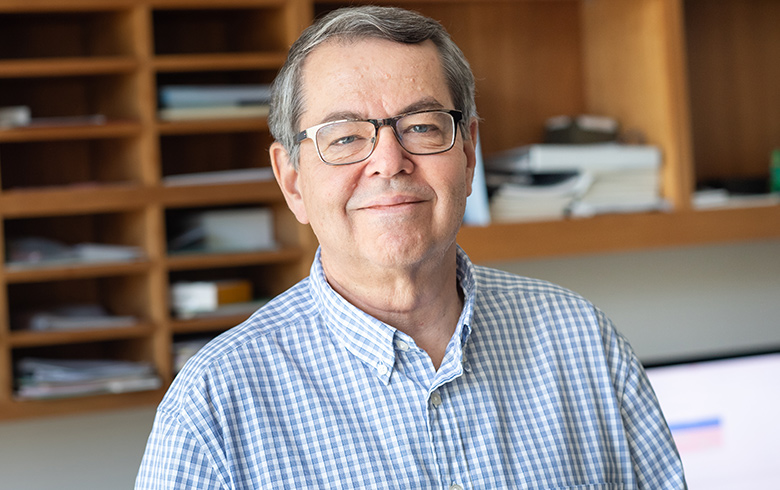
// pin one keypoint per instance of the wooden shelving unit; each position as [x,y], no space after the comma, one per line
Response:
[103,180]
[693,76]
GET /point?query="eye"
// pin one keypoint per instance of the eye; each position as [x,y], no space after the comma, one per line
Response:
[345,140]
[421,128]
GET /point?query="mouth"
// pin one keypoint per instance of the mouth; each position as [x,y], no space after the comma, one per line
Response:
[391,203]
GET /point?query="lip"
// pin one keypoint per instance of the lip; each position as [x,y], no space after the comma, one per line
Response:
[390,202]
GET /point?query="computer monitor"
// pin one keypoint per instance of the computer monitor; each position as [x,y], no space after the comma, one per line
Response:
[724,413]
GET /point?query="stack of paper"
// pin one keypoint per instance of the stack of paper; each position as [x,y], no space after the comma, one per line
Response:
[225,230]
[42,251]
[621,191]
[56,378]
[74,317]
[541,197]
[182,102]
[613,178]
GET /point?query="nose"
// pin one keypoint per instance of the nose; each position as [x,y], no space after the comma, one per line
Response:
[388,158]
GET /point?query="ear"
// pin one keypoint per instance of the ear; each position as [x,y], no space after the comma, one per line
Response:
[289,181]
[470,149]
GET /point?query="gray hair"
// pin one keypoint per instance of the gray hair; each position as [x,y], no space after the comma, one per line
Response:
[355,23]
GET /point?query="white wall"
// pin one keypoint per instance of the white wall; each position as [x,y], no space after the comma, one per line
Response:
[99,451]
[668,303]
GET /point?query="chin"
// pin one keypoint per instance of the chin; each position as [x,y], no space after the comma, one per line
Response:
[409,251]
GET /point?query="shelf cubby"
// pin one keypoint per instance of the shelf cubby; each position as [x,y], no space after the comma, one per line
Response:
[732,51]
[210,151]
[75,162]
[218,30]
[66,34]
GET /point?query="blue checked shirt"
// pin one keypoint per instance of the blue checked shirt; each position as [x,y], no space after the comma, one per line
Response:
[536,391]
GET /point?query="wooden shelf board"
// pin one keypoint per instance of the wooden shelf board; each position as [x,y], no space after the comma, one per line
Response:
[211,4]
[219,61]
[15,274]
[65,200]
[25,6]
[111,129]
[65,67]
[208,126]
[19,339]
[233,193]
[212,260]
[611,233]
[62,406]
[207,325]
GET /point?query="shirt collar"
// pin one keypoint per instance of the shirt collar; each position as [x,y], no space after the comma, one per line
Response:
[370,339]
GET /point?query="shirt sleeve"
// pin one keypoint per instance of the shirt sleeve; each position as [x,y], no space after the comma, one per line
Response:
[654,456]
[175,459]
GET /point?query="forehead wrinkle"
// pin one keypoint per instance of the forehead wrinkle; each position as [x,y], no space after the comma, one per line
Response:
[427,103]
[365,84]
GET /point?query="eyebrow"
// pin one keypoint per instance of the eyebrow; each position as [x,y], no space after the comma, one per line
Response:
[426,103]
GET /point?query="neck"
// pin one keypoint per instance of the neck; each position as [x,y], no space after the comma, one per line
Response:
[424,301]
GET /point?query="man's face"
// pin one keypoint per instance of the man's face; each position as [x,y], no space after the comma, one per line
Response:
[393,209]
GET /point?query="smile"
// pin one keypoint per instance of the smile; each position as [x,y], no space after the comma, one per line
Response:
[394,203]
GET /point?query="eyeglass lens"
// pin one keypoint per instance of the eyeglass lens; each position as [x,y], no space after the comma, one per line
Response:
[423,133]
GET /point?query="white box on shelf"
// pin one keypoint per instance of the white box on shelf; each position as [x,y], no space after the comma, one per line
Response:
[238,229]
[192,298]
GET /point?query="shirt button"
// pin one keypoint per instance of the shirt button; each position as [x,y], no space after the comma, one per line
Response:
[381,369]
[401,345]
[455,486]
[467,366]
[435,399]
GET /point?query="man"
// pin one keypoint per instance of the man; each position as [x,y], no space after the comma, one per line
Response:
[397,363]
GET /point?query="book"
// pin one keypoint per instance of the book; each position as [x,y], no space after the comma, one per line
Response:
[621,191]
[595,157]
[214,95]
[259,174]
[56,378]
[614,178]
[542,197]
[212,112]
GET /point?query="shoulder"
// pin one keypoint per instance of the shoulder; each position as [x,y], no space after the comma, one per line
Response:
[280,316]
[553,322]
[249,347]
[500,283]
[540,310]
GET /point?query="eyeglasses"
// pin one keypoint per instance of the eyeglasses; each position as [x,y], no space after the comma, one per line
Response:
[419,133]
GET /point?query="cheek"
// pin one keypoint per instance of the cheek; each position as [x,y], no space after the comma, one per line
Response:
[326,192]
[454,187]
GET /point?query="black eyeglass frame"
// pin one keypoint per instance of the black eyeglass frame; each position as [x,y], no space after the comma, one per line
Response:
[311,133]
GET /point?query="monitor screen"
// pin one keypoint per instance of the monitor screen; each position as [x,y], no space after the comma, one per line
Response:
[724,414]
